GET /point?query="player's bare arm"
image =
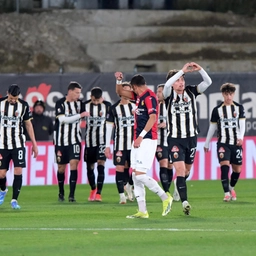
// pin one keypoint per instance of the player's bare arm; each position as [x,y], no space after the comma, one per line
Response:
[30,131]
[148,126]
[119,88]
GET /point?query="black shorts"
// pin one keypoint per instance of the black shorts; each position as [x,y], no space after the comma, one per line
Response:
[64,154]
[93,154]
[161,152]
[231,153]
[120,157]
[17,155]
[182,149]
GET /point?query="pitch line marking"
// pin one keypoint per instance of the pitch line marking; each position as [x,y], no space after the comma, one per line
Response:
[124,229]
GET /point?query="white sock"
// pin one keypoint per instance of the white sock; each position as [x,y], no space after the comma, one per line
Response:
[152,185]
[140,193]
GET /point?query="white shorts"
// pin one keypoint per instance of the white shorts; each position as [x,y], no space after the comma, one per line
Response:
[142,158]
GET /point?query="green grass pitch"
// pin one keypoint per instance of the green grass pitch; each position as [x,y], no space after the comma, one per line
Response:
[44,226]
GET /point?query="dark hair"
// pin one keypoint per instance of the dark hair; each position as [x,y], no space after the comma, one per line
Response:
[126,84]
[160,86]
[138,80]
[171,73]
[14,90]
[228,87]
[96,92]
[39,103]
[72,85]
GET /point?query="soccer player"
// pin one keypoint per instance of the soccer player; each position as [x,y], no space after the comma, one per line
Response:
[166,171]
[14,115]
[121,118]
[144,143]
[67,137]
[182,123]
[228,118]
[95,141]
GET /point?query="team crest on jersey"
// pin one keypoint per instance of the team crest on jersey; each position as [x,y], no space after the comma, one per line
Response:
[175,155]
[235,114]
[159,154]
[185,99]
[101,113]
[1,157]
[119,153]
[58,110]
[175,149]
[221,150]
[17,113]
[118,159]
[221,155]
[142,103]
[159,149]
[59,153]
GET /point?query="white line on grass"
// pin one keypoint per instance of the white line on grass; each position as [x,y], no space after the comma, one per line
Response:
[126,229]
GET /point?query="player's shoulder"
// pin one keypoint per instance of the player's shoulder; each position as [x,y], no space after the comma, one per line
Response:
[107,103]
[115,104]
[23,102]
[87,101]
[218,106]
[61,100]
[237,104]
[151,95]
[3,98]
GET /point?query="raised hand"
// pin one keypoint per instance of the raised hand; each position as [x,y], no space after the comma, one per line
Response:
[119,76]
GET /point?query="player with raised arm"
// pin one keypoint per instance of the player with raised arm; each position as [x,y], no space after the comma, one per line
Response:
[121,121]
[144,143]
[182,123]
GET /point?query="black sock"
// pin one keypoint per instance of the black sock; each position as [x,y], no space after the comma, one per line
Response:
[120,182]
[234,178]
[170,176]
[224,177]
[91,175]
[164,178]
[3,184]
[130,179]
[72,183]
[16,186]
[126,175]
[61,179]
[100,179]
[182,188]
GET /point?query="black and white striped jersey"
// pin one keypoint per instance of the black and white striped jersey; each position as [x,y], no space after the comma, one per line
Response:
[227,118]
[182,113]
[121,115]
[162,132]
[96,123]
[12,118]
[66,134]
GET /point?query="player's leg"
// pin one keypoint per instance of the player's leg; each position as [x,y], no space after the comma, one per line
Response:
[18,157]
[74,157]
[236,162]
[6,157]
